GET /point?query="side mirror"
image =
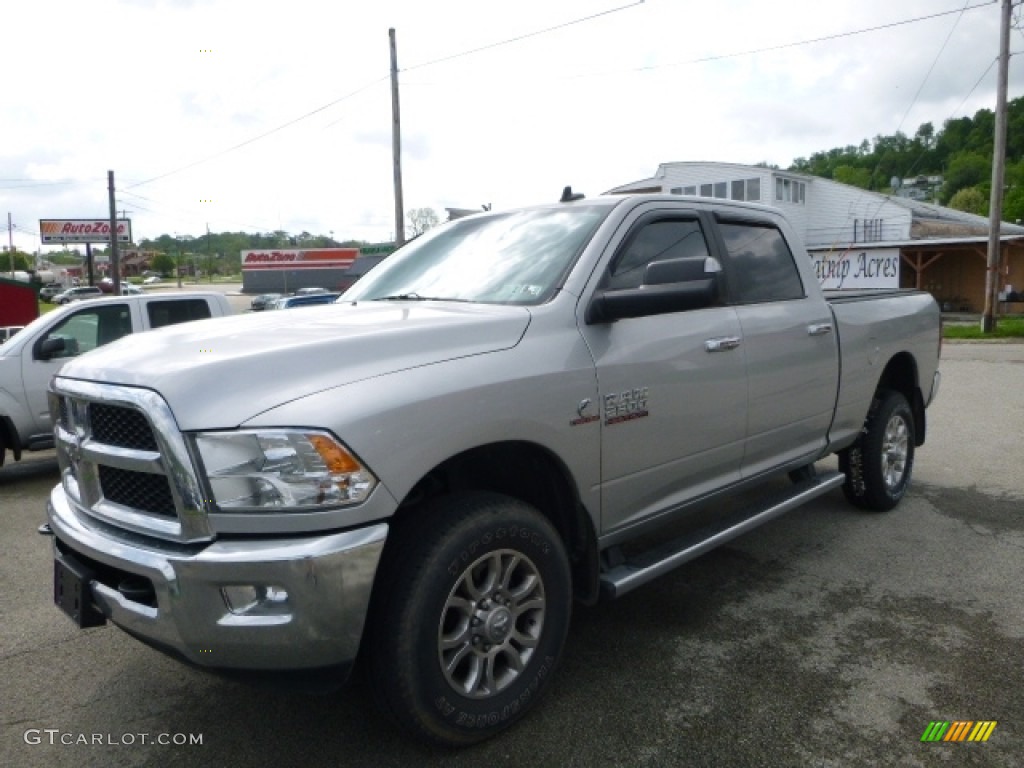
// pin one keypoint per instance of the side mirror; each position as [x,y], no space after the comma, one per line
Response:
[673,285]
[51,347]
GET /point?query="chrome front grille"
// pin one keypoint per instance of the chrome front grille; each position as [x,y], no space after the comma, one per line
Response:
[119,426]
[138,490]
[125,462]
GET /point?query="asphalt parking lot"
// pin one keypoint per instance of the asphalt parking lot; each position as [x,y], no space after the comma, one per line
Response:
[828,638]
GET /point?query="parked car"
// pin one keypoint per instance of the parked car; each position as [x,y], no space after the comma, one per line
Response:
[307,300]
[29,360]
[152,280]
[264,301]
[7,331]
[47,292]
[74,294]
[310,290]
[127,289]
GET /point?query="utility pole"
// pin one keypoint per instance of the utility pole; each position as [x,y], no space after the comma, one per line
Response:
[10,242]
[115,261]
[995,216]
[396,144]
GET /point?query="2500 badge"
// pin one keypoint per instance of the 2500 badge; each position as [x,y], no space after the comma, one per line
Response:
[625,406]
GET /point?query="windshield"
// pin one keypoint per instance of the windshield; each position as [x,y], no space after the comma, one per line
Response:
[520,257]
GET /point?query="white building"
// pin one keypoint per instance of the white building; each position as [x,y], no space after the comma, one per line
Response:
[938,248]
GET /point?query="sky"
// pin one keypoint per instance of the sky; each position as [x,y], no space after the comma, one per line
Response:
[257,115]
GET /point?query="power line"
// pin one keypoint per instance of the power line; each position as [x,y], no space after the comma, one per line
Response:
[932,67]
[795,44]
[261,136]
[30,183]
[973,88]
[518,38]
[183,214]
[367,87]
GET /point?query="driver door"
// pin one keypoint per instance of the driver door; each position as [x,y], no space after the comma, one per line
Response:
[84,330]
[673,401]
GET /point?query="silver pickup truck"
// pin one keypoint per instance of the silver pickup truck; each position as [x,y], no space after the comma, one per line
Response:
[515,411]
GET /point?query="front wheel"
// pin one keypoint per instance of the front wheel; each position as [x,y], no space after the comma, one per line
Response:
[472,618]
[878,466]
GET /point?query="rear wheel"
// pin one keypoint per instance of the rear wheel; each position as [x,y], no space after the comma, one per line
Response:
[878,466]
[472,619]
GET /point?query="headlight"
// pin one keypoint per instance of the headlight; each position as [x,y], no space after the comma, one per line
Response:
[281,469]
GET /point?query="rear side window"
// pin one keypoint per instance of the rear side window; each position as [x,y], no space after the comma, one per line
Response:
[761,265]
[163,313]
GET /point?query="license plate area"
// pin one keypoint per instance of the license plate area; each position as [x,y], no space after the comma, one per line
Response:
[71,591]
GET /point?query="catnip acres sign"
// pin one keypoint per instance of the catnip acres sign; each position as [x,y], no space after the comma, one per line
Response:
[855,269]
[59,231]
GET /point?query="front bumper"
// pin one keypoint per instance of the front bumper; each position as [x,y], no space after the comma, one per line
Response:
[319,588]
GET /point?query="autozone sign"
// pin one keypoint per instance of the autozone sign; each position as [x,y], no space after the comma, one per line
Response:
[83,230]
[316,258]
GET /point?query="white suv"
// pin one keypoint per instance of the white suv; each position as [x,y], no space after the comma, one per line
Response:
[73,294]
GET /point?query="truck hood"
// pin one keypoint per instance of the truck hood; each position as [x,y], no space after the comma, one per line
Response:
[219,373]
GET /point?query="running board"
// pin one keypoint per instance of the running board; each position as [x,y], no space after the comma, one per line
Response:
[626,577]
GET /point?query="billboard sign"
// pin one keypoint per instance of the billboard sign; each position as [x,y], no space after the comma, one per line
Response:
[854,269]
[60,231]
[318,258]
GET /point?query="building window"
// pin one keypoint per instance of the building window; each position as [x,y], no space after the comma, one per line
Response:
[689,190]
[721,189]
[706,190]
[746,189]
[676,190]
[790,191]
[867,230]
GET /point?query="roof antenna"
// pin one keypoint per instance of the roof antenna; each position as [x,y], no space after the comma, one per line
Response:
[568,195]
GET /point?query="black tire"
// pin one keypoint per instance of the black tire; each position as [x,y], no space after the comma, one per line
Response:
[879,465]
[471,618]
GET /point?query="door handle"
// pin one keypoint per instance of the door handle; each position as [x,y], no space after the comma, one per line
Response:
[723,344]
[819,329]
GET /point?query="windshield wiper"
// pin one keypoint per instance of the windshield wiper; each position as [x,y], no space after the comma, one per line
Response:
[415,297]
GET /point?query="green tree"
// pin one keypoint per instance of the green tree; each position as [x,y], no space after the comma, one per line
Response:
[162,263]
[856,177]
[966,169]
[970,200]
[22,261]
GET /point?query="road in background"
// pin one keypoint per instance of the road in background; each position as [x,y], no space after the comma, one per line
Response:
[829,637]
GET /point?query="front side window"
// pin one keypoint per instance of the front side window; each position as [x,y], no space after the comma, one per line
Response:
[655,241]
[521,257]
[84,331]
[761,265]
